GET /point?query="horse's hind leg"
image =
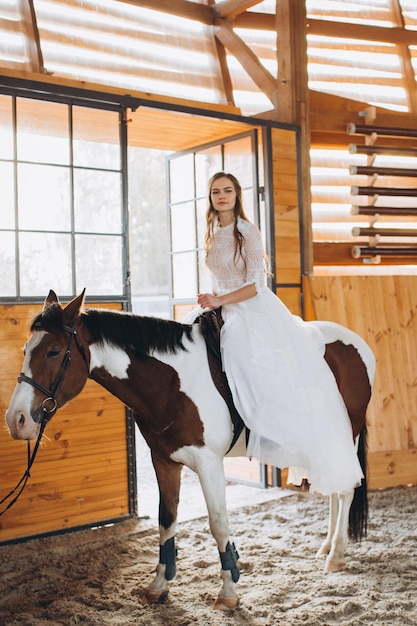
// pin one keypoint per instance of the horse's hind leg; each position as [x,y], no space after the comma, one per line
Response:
[333,510]
[334,546]
[168,475]
[211,475]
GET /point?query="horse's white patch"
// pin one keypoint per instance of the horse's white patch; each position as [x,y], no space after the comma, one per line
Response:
[22,396]
[114,360]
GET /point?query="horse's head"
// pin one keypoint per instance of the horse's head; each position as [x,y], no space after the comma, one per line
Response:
[55,368]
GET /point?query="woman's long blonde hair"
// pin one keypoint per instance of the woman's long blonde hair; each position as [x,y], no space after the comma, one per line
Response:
[212,218]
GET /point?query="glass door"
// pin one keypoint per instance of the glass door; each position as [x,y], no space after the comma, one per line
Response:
[187,175]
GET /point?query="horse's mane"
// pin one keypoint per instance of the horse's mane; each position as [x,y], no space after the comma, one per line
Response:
[124,330]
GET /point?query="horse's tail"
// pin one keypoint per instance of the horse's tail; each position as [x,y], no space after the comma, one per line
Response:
[358,515]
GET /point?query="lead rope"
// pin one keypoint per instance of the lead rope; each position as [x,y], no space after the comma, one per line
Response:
[22,482]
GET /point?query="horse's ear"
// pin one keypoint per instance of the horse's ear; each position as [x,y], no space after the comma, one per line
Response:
[72,310]
[50,298]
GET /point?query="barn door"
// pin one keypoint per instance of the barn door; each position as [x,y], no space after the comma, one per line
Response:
[188,173]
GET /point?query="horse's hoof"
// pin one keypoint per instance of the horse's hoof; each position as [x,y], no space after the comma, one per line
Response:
[226,603]
[324,551]
[332,567]
[154,598]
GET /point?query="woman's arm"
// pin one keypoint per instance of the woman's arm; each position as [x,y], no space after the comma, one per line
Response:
[209,300]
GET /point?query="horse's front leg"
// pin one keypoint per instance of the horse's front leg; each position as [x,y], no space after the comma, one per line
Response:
[168,475]
[211,475]
[337,537]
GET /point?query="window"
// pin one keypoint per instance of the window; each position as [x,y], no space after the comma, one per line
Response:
[62,220]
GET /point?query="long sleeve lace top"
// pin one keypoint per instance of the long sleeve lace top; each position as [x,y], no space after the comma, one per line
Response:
[228,273]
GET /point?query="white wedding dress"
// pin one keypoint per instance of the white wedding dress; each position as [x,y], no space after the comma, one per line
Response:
[280,382]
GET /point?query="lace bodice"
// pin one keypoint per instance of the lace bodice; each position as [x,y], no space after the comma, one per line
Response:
[226,273]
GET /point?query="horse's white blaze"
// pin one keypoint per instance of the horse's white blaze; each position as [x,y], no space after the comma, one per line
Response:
[22,398]
[114,360]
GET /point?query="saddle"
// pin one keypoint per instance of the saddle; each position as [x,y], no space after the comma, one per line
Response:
[210,325]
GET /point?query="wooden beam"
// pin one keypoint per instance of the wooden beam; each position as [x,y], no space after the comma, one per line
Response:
[224,71]
[32,40]
[225,78]
[180,8]
[293,100]
[341,254]
[343,30]
[255,21]
[249,61]
[405,59]
[230,8]
[334,29]
[330,113]
[66,83]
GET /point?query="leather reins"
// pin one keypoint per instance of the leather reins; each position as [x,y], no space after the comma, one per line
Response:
[47,413]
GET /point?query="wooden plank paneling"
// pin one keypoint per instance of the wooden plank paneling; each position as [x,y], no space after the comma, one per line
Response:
[80,475]
[383,310]
[286,216]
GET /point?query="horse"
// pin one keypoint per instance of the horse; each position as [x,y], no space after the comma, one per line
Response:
[159,368]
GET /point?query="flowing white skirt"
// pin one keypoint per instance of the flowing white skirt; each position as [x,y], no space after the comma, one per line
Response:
[286,393]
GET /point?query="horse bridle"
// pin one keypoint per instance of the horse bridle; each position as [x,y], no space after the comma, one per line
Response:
[54,388]
[47,413]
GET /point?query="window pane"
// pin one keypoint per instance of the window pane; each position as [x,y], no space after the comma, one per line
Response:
[45,263]
[207,163]
[238,160]
[184,275]
[8,265]
[201,221]
[203,275]
[6,195]
[247,199]
[96,138]
[183,227]
[99,266]
[43,197]
[6,128]
[97,201]
[182,178]
[42,131]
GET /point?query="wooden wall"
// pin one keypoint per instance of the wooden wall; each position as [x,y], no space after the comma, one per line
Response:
[80,475]
[383,310]
[286,218]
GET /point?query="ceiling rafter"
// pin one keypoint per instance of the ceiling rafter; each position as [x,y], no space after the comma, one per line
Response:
[230,8]
[224,71]
[180,8]
[405,59]
[221,58]
[33,43]
[249,61]
[338,30]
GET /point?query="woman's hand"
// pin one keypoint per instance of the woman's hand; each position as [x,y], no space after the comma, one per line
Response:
[209,301]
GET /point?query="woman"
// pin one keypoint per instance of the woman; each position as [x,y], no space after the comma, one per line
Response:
[280,382]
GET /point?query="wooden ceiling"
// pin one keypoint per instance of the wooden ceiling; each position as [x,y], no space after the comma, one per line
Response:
[169,130]
[224,52]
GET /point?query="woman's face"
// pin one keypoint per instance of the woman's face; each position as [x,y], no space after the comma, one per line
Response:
[223,195]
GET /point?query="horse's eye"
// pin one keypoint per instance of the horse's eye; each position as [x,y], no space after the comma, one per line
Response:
[52,353]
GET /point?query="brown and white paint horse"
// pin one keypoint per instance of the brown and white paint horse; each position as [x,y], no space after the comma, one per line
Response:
[160,370]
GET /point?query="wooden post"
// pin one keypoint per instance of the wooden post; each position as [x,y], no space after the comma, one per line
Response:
[293,99]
